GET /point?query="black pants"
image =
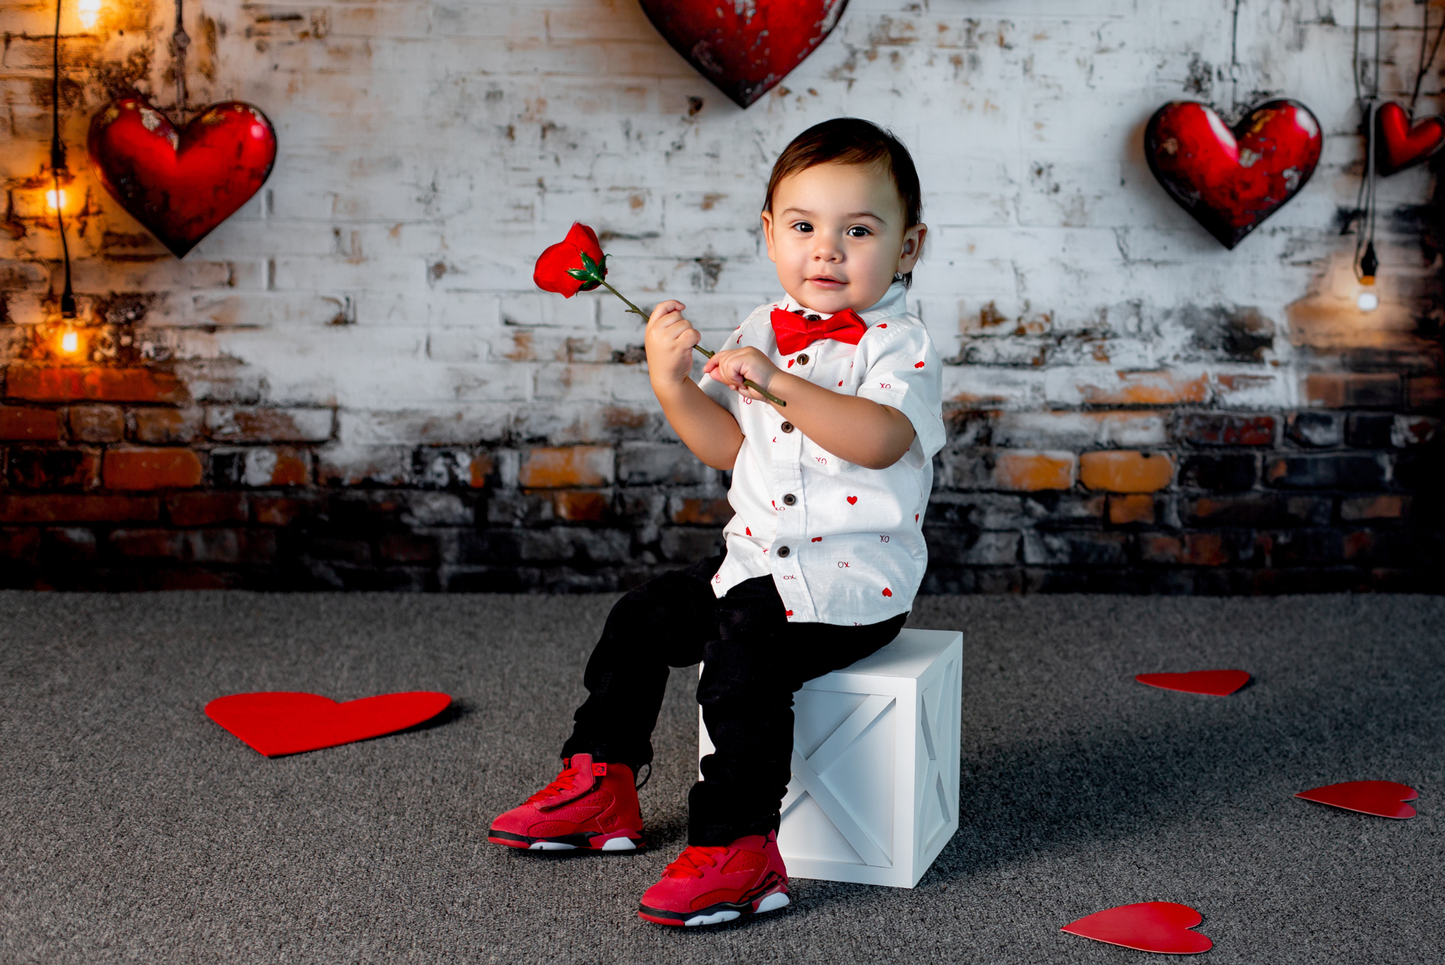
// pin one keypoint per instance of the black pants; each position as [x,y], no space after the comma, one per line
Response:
[754,661]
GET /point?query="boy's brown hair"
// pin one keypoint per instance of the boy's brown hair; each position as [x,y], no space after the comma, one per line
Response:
[852,140]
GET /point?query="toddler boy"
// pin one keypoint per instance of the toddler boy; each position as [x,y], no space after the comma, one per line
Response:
[823,556]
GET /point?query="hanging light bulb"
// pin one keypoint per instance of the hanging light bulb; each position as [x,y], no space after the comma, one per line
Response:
[1367,300]
[89,13]
[55,199]
[70,342]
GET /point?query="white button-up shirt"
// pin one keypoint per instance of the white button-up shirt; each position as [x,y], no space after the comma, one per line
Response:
[843,544]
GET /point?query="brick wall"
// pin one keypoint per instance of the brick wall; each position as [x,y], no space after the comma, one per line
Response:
[352,383]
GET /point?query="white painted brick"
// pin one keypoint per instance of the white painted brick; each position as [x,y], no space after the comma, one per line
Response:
[429,152]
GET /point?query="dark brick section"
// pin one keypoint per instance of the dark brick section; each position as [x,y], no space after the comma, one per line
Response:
[129,488]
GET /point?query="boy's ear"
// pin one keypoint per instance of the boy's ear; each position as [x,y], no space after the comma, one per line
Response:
[912,248]
[768,233]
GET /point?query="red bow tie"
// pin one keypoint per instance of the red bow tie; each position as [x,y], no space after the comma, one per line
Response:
[796,331]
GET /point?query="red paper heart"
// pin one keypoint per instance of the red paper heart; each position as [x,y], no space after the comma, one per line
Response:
[281,722]
[887,592]
[852,500]
[1400,144]
[182,184]
[1380,798]
[1150,926]
[1217,683]
[745,49]
[1230,181]
[918,365]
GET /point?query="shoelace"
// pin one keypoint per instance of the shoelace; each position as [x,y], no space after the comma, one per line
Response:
[564,782]
[693,860]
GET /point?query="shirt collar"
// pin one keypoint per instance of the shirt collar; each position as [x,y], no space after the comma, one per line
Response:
[892,303]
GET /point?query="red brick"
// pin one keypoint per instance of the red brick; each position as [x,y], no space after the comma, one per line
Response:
[204,509]
[148,543]
[53,468]
[703,512]
[277,510]
[579,507]
[166,426]
[78,509]
[19,545]
[1427,392]
[1131,509]
[22,424]
[262,466]
[1125,471]
[97,423]
[1147,388]
[142,469]
[566,467]
[1336,390]
[1225,429]
[408,548]
[47,383]
[1033,471]
[1193,549]
[233,424]
[481,468]
[1386,506]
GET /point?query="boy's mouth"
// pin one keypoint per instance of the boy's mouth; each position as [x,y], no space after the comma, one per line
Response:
[827,281]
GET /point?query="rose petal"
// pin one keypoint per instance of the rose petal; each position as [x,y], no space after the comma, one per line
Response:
[551,271]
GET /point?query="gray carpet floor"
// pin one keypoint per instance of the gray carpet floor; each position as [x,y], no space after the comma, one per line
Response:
[134,829]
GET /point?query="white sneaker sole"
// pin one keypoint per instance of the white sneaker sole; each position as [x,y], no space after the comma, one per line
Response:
[771,903]
[616,844]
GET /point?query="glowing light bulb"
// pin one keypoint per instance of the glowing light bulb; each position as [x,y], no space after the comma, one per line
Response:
[89,13]
[1368,301]
[70,343]
[55,199]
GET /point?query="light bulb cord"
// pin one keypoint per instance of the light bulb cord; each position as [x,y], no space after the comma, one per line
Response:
[57,163]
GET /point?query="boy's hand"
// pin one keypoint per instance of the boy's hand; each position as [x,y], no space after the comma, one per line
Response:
[669,341]
[732,366]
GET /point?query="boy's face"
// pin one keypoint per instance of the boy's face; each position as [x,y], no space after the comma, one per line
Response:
[837,235]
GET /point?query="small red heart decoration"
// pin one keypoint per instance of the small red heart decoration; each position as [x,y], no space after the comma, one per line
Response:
[1230,181]
[281,722]
[1380,798]
[817,539]
[887,592]
[1400,144]
[744,49]
[1150,926]
[852,500]
[182,184]
[1217,683]
[790,613]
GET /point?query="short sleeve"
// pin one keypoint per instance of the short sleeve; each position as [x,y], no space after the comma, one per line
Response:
[907,374]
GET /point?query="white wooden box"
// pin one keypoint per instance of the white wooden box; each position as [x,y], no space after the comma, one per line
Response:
[874,794]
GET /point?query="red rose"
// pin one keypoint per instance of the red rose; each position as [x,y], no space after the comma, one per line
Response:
[575,265]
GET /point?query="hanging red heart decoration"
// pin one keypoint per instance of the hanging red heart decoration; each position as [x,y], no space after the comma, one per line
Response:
[1400,144]
[181,184]
[1230,181]
[746,47]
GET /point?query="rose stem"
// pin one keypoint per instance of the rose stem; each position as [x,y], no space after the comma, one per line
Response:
[705,353]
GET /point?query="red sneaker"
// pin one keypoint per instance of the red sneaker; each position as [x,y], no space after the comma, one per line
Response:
[589,805]
[711,885]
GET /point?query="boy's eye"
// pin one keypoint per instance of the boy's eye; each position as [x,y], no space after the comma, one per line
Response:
[858,231]
[802,226]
